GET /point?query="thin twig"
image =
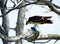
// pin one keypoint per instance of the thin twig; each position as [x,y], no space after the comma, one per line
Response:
[13,3]
[19,3]
[55,41]
[16,8]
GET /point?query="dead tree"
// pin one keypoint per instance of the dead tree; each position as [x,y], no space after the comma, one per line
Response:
[20,22]
[19,27]
[5,20]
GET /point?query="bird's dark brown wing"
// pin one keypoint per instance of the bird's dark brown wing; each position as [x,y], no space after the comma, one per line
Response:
[40,20]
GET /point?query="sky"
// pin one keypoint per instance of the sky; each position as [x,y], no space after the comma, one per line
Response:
[33,10]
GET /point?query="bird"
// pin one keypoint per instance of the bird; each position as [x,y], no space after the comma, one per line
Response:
[34,29]
[34,35]
[34,20]
[39,20]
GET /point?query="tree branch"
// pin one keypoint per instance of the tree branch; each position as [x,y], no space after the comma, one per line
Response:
[11,39]
[48,36]
[22,36]
[19,3]
[13,3]
[44,37]
[54,7]
[16,8]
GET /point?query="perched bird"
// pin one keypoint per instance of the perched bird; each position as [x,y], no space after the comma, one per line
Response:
[34,20]
[34,35]
[34,29]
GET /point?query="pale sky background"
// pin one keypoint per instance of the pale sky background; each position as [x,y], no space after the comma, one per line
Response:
[32,11]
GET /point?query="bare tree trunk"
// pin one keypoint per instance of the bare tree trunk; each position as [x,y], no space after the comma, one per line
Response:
[20,23]
[5,22]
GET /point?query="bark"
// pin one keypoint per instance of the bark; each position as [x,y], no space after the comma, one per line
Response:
[5,21]
[52,6]
[5,24]
[26,34]
[41,37]
[48,36]
[10,39]
[20,22]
